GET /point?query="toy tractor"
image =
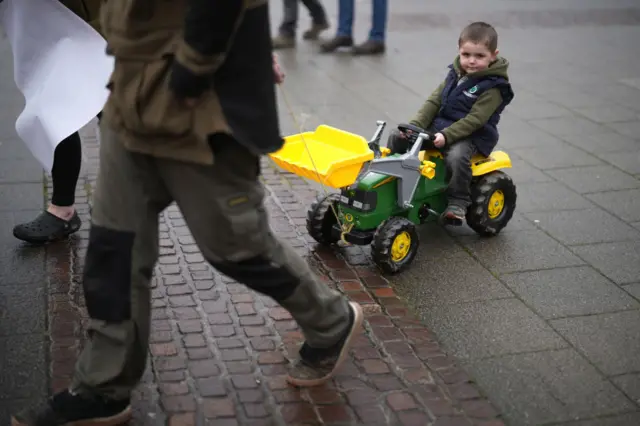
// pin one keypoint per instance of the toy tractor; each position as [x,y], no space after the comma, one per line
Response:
[384,197]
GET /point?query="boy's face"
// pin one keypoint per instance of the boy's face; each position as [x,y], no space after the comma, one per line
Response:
[475,57]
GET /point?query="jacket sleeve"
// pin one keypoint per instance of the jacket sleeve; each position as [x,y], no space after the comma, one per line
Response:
[208,31]
[429,109]
[482,110]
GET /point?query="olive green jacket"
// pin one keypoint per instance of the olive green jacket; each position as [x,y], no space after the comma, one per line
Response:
[88,10]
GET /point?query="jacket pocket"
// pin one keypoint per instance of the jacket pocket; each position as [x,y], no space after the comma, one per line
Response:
[146,105]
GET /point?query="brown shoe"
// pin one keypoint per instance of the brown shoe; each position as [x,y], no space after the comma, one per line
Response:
[335,43]
[315,366]
[315,30]
[283,41]
[369,47]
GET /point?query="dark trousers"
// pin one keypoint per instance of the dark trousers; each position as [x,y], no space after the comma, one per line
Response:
[457,157]
[290,20]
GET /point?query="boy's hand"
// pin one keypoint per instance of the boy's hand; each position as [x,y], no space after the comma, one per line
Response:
[439,141]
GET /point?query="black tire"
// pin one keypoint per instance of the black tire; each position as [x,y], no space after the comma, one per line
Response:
[478,215]
[321,218]
[383,241]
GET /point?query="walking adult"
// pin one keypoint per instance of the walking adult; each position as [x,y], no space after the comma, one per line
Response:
[202,113]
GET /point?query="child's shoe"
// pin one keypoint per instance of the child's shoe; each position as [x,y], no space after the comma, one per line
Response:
[453,215]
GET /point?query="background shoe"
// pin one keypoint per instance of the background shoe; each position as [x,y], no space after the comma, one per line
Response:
[369,47]
[47,227]
[335,43]
[315,30]
[283,41]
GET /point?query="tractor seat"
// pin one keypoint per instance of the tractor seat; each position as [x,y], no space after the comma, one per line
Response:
[480,164]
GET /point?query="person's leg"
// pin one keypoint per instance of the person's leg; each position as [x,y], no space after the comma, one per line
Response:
[458,161]
[287,32]
[60,219]
[344,34]
[242,246]
[376,42]
[123,248]
[319,21]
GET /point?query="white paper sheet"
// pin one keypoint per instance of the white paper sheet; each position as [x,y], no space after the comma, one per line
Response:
[61,67]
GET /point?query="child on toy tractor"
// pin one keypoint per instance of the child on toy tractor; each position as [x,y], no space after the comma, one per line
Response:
[463,113]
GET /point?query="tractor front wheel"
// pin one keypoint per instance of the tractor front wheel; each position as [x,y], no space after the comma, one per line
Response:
[493,201]
[395,244]
[321,219]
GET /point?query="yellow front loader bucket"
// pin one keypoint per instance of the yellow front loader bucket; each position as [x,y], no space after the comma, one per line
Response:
[332,157]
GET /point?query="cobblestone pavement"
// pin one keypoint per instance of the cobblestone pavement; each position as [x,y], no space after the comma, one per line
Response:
[219,351]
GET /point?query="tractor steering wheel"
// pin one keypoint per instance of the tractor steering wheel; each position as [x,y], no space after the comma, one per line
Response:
[412,132]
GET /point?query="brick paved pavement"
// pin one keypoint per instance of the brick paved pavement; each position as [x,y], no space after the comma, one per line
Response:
[219,351]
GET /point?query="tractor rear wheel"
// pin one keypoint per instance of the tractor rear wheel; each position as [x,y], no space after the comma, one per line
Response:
[493,202]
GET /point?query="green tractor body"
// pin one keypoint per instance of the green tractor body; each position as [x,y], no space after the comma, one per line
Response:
[374,200]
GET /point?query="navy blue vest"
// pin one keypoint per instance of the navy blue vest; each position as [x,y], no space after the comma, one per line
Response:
[457,100]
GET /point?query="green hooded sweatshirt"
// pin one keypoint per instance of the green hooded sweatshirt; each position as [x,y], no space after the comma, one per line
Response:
[482,109]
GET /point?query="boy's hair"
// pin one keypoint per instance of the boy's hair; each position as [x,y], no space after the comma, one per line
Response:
[480,32]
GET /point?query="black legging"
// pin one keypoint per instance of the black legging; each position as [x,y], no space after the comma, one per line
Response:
[67,160]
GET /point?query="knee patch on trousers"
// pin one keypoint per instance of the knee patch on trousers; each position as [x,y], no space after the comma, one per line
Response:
[107,274]
[262,275]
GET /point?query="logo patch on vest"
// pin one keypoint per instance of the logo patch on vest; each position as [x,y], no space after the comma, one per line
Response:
[471,92]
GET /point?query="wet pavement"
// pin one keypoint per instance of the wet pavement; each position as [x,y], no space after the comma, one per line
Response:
[544,319]
[23,329]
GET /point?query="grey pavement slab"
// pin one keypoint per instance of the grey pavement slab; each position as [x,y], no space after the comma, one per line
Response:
[24,369]
[628,128]
[491,328]
[610,114]
[523,172]
[616,348]
[565,292]
[594,179]
[548,196]
[548,387]
[633,289]
[584,226]
[604,144]
[561,126]
[23,330]
[623,204]
[455,278]
[630,385]
[626,161]
[520,251]
[15,301]
[23,196]
[556,156]
[618,261]
[628,419]
[539,109]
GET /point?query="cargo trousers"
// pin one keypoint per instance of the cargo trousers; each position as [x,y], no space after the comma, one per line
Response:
[222,205]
